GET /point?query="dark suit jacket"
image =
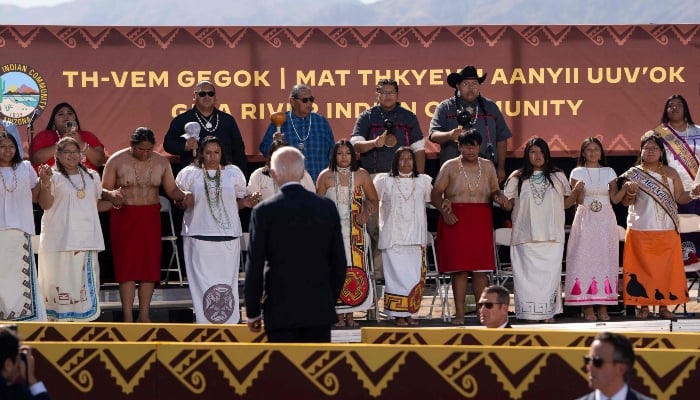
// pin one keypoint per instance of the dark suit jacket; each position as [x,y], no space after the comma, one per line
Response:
[631,395]
[298,233]
[19,392]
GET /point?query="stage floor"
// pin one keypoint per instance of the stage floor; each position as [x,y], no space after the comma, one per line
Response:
[173,303]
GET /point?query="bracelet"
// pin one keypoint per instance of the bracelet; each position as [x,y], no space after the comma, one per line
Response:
[45,185]
[86,148]
[630,193]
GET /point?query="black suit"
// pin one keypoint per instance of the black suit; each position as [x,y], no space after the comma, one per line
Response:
[19,391]
[298,233]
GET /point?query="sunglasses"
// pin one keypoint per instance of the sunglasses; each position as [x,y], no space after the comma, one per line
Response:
[306,99]
[597,361]
[210,93]
[489,305]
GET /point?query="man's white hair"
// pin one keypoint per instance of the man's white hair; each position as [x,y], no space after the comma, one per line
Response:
[288,164]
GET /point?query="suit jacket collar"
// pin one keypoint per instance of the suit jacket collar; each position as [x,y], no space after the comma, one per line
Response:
[291,186]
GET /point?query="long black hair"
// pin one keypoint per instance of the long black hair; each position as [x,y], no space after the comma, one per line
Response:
[333,163]
[50,126]
[199,161]
[528,169]
[397,156]
[686,110]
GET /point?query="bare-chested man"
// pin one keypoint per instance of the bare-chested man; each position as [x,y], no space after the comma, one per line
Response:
[463,191]
[131,180]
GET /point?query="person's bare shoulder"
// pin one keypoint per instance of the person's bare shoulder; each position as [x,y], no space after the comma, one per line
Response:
[118,157]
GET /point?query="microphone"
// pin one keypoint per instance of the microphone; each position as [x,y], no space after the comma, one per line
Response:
[35,114]
[192,130]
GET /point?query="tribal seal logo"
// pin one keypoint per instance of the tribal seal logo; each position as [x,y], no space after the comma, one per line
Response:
[218,303]
[22,91]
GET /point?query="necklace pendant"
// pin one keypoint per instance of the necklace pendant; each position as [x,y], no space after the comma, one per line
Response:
[596,206]
[81,194]
[301,147]
[208,125]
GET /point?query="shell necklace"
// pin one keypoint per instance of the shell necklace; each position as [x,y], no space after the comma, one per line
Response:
[146,181]
[80,192]
[14,180]
[339,200]
[398,185]
[300,146]
[466,177]
[596,205]
[208,126]
[212,190]
[538,185]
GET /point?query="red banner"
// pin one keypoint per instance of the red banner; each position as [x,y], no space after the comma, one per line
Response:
[563,83]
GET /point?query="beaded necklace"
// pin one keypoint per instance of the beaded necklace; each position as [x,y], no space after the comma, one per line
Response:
[14,179]
[207,126]
[538,186]
[338,200]
[308,131]
[466,177]
[596,205]
[212,190]
[80,191]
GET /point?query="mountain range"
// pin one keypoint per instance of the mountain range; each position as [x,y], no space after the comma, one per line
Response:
[352,13]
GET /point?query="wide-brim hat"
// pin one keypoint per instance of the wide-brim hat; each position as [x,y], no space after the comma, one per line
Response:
[468,72]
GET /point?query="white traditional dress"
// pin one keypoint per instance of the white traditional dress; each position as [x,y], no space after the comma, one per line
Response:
[537,244]
[19,292]
[71,237]
[357,293]
[593,249]
[211,232]
[403,229]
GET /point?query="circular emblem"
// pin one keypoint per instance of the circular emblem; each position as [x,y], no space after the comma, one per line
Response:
[688,248]
[596,205]
[22,91]
[218,303]
[415,297]
[356,286]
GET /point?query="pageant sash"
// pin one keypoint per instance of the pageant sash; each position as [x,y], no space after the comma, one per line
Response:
[656,190]
[679,149]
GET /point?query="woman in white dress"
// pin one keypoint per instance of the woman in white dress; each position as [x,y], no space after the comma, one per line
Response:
[538,193]
[351,188]
[71,237]
[592,254]
[211,231]
[403,227]
[20,299]
[261,182]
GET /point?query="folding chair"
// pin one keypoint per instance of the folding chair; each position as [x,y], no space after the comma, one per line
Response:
[172,238]
[504,270]
[439,280]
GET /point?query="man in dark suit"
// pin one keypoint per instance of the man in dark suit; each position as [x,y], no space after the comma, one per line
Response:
[298,234]
[17,378]
[493,307]
[610,363]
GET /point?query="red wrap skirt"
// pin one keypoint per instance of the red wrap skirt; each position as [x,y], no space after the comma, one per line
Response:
[136,245]
[468,244]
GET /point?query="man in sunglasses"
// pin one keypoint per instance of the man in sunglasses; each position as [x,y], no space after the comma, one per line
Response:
[304,129]
[212,122]
[493,307]
[610,363]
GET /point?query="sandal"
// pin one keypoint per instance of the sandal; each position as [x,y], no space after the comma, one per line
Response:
[603,313]
[589,314]
[457,322]
[401,321]
[411,321]
[643,313]
[666,314]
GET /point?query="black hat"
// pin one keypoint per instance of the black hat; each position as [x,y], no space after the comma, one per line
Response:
[468,72]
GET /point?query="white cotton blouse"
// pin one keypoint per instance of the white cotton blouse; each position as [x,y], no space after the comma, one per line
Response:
[198,220]
[72,224]
[402,215]
[646,215]
[16,198]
